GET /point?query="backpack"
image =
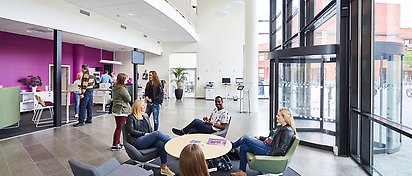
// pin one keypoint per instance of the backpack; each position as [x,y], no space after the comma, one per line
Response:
[221,163]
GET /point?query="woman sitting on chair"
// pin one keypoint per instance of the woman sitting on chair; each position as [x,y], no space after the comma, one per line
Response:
[141,135]
[276,144]
[192,161]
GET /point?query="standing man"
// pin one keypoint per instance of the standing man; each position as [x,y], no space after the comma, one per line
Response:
[106,78]
[86,97]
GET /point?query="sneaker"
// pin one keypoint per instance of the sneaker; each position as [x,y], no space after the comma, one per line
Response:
[78,124]
[178,132]
[88,121]
[116,148]
[76,115]
[166,171]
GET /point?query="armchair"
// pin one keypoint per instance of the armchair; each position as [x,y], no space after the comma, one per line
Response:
[141,157]
[110,168]
[272,164]
[223,132]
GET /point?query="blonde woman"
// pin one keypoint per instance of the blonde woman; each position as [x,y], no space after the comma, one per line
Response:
[77,94]
[276,144]
[192,161]
[141,135]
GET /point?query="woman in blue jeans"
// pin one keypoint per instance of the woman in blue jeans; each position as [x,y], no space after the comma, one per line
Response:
[154,97]
[276,144]
[140,134]
[77,94]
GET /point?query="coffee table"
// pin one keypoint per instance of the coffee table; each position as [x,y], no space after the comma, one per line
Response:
[175,145]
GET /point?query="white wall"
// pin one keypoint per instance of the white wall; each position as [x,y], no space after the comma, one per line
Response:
[66,17]
[221,42]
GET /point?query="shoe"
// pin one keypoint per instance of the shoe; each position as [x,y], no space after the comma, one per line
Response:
[178,132]
[76,115]
[78,124]
[166,171]
[121,145]
[116,147]
[88,121]
[238,173]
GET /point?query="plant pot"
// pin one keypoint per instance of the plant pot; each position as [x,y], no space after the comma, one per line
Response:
[33,89]
[178,93]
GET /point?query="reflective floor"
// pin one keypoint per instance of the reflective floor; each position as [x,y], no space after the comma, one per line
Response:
[47,152]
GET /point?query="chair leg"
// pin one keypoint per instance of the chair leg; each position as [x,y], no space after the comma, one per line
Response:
[43,122]
[148,163]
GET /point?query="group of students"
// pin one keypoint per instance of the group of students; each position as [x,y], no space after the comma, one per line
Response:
[140,134]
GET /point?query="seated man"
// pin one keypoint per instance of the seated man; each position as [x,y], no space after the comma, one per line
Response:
[216,122]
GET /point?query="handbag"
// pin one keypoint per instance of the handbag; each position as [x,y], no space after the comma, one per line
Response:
[221,163]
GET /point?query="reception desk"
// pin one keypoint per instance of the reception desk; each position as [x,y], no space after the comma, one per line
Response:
[9,106]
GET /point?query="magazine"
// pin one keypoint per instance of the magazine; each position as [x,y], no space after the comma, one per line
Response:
[216,141]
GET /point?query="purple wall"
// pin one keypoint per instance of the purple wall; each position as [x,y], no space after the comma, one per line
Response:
[21,56]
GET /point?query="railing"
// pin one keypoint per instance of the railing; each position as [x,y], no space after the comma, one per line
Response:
[392,146]
[184,7]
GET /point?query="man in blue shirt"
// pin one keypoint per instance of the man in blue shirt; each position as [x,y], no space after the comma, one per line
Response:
[106,78]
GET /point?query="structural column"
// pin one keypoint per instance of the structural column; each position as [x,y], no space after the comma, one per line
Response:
[57,78]
[250,61]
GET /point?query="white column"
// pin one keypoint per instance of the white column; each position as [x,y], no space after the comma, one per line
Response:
[250,61]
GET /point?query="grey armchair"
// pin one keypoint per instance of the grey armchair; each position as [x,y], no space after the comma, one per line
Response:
[222,133]
[141,157]
[110,168]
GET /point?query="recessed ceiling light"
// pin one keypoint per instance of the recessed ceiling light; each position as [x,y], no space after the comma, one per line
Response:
[221,13]
[29,31]
[235,4]
[131,14]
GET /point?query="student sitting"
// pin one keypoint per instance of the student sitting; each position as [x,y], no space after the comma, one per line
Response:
[276,144]
[140,134]
[217,121]
[192,161]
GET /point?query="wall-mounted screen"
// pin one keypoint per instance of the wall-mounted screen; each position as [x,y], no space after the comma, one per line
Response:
[239,80]
[226,80]
[137,57]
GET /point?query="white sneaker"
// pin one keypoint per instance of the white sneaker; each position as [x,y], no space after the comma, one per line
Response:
[76,115]
[166,171]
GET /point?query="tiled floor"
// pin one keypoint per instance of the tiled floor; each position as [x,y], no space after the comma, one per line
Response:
[47,152]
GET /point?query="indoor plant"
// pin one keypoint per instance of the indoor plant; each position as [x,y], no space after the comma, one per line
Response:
[180,78]
[32,81]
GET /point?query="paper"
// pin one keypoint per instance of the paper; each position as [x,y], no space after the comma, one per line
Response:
[216,141]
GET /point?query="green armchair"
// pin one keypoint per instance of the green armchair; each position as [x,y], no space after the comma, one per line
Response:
[272,164]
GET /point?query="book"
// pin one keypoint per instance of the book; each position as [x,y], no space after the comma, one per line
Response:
[216,141]
[194,141]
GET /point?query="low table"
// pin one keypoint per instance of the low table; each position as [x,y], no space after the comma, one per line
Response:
[175,146]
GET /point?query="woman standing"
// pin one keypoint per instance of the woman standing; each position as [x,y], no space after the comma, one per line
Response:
[154,97]
[141,135]
[77,94]
[121,108]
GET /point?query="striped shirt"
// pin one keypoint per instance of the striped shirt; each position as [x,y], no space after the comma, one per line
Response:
[87,82]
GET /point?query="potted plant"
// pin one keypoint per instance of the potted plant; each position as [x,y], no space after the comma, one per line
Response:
[32,81]
[180,78]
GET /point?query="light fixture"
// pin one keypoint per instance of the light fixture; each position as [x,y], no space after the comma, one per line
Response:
[107,61]
[110,62]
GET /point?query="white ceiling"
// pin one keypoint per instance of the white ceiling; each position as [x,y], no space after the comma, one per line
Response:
[135,14]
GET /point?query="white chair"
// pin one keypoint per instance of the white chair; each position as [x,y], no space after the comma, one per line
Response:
[38,111]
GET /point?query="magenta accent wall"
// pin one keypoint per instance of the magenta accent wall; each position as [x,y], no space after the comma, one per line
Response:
[21,56]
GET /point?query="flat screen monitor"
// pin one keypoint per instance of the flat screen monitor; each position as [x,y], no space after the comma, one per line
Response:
[138,57]
[226,80]
[239,80]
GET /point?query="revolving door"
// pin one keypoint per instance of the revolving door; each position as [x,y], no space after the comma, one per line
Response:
[305,82]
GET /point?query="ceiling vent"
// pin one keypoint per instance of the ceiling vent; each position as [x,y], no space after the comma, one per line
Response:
[123,26]
[39,30]
[84,12]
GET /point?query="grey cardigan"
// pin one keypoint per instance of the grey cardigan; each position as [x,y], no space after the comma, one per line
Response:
[121,99]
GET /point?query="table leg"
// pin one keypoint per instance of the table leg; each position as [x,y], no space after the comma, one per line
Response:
[67,107]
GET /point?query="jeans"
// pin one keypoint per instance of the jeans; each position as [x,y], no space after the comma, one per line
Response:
[120,121]
[76,103]
[86,104]
[249,144]
[155,109]
[153,139]
[198,126]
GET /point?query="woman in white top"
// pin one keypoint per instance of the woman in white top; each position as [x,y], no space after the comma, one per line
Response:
[77,94]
